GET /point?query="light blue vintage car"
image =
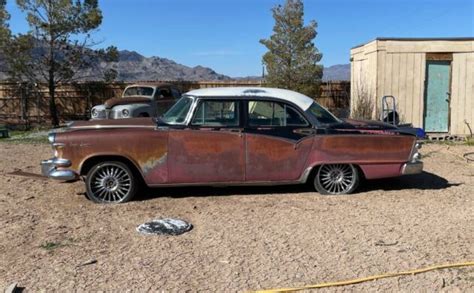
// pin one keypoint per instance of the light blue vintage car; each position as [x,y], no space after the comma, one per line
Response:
[138,101]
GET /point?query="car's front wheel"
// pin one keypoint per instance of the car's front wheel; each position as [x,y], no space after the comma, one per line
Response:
[110,182]
[336,179]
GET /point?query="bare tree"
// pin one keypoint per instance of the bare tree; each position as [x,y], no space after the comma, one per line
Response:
[58,46]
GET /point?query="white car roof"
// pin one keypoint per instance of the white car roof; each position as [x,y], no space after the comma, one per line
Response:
[302,101]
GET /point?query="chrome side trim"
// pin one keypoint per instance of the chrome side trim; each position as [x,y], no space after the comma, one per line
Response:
[302,180]
[304,177]
[220,184]
[113,126]
[288,140]
[58,144]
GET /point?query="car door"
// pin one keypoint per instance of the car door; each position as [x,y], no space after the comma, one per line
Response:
[211,148]
[278,141]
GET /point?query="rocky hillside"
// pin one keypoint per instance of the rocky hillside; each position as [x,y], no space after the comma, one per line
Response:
[337,72]
[133,66]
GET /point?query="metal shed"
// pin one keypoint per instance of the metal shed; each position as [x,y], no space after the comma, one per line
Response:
[431,78]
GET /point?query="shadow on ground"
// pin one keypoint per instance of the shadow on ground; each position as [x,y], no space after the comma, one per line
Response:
[423,181]
[204,191]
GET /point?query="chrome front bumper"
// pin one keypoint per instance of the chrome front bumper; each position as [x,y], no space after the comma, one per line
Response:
[412,168]
[49,169]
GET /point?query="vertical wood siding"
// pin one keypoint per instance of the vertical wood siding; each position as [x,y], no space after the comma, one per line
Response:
[403,78]
[364,75]
[399,70]
[462,91]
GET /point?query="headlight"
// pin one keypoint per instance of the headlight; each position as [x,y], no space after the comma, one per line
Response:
[94,113]
[125,112]
[51,137]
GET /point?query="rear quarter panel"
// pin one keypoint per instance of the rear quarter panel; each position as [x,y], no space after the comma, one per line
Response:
[378,156]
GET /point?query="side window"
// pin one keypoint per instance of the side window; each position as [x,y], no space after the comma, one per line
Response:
[217,113]
[264,113]
[176,94]
[165,92]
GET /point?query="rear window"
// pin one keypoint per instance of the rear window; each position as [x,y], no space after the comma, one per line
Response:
[265,113]
[138,91]
[323,115]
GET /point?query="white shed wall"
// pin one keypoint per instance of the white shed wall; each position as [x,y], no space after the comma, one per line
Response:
[397,67]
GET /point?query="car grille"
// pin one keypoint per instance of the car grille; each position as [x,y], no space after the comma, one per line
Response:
[115,115]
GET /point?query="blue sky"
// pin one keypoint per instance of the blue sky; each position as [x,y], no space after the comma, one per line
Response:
[225,34]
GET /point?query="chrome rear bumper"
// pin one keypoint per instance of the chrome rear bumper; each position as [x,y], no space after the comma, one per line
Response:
[412,168]
[49,169]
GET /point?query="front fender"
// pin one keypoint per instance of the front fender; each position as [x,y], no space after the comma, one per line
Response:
[135,110]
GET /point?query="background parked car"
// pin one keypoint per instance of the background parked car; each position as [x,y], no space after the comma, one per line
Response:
[138,101]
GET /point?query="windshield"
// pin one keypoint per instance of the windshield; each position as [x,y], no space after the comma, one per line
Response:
[177,114]
[138,91]
[323,115]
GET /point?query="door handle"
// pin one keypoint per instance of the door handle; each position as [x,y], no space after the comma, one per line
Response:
[234,130]
[305,131]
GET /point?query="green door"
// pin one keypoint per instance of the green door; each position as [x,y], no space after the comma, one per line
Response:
[437,96]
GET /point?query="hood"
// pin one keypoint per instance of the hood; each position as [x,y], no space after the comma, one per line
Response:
[369,124]
[99,107]
[110,103]
[146,122]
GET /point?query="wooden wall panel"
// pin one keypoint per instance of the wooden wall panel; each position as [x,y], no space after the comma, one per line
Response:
[462,107]
[400,71]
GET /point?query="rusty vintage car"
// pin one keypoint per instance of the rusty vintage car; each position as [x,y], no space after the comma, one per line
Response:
[230,136]
[138,101]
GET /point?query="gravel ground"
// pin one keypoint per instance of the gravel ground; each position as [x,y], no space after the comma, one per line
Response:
[243,238]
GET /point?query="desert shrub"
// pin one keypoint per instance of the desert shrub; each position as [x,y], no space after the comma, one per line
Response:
[364,105]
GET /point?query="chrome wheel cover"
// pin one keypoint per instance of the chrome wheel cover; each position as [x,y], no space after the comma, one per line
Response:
[337,178]
[110,183]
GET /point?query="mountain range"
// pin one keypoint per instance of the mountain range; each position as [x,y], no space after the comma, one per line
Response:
[133,66]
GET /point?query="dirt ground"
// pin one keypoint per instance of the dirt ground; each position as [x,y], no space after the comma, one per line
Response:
[243,238]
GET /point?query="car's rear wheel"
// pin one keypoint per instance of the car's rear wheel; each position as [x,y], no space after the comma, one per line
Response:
[110,182]
[336,179]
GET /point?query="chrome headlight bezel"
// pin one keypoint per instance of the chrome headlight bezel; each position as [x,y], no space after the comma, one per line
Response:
[125,113]
[51,137]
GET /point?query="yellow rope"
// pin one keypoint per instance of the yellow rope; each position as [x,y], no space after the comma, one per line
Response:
[371,278]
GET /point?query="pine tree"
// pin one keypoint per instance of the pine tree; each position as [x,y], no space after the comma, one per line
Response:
[292,58]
